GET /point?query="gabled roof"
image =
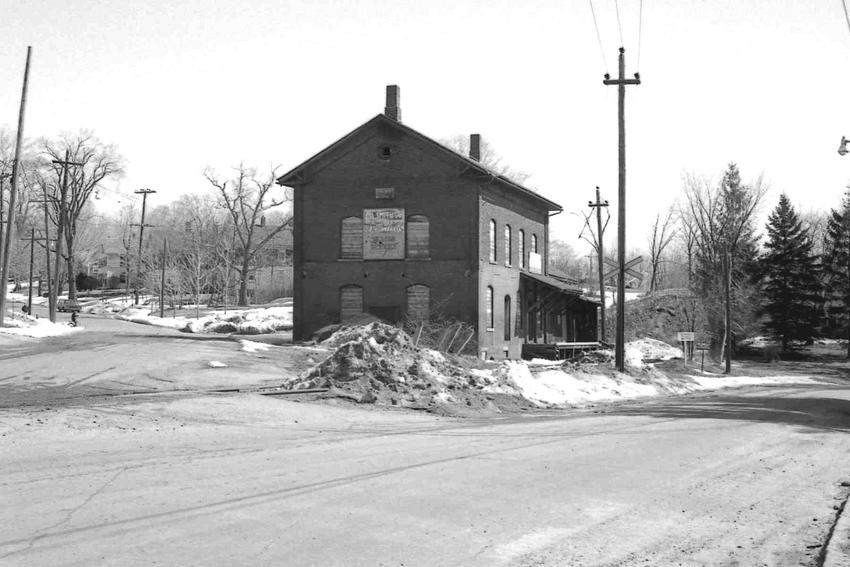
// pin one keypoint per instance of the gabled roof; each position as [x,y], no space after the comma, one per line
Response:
[291,177]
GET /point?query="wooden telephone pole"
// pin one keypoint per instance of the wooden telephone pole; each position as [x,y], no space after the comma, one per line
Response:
[13,189]
[144,193]
[599,233]
[61,219]
[621,82]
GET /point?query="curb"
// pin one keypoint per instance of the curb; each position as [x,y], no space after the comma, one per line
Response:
[837,552]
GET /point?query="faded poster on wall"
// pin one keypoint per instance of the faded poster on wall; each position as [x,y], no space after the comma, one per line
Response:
[383,234]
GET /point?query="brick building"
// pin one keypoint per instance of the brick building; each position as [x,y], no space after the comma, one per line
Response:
[388,221]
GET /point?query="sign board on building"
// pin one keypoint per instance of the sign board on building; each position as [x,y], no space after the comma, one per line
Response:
[385,193]
[535,263]
[383,234]
[686,337]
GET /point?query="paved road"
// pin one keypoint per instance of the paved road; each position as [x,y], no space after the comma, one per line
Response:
[113,356]
[737,478]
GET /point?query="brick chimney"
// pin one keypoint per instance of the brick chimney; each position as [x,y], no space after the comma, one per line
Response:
[392,109]
[475,147]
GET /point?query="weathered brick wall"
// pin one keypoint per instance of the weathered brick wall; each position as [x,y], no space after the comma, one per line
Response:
[520,214]
[425,183]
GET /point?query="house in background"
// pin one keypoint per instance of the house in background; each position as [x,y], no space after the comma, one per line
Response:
[389,222]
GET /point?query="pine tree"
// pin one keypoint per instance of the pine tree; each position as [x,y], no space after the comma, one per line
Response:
[837,265]
[790,272]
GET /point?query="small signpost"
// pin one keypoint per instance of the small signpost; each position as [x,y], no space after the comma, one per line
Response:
[687,340]
[702,347]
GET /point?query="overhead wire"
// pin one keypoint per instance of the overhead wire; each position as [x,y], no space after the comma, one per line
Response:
[640,32]
[598,36]
[619,25]
[846,15]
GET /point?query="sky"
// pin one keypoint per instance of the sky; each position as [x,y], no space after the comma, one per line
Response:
[182,85]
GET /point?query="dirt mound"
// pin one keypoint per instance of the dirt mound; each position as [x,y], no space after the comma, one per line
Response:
[377,363]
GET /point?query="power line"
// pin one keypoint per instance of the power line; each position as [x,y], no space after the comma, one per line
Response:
[846,15]
[640,31]
[598,37]
[619,25]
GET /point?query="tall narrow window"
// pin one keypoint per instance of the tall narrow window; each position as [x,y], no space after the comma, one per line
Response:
[521,248]
[489,307]
[508,245]
[418,237]
[492,240]
[351,238]
[418,306]
[350,303]
[534,243]
[508,320]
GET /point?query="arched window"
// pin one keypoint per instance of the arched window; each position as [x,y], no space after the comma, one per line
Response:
[508,317]
[350,303]
[508,245]
[534,243]
[351,238]
[488,306]
[418,302]
[492,240]
[418,237]
[521,248]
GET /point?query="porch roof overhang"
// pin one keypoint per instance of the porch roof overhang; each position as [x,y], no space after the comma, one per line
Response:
[558,287]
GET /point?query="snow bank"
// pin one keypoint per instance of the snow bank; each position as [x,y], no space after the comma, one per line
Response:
[377,363]
[258,321]
[27,326]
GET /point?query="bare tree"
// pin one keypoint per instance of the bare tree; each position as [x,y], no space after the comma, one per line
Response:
[721,217]
[98,163]
[490,158]
[663,232]
[246,198]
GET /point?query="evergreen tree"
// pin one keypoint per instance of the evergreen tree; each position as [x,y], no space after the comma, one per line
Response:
[790,272]
[837,266]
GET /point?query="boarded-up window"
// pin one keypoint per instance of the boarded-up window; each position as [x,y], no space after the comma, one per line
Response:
[492,240]
[508,245]
[418,237]
[350,303]
[508,317]
[351,238]
[521,248]
[418,302]
[488,305]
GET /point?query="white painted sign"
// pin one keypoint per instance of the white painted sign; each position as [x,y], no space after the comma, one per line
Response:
[686,337]
[535,263]
[383,234]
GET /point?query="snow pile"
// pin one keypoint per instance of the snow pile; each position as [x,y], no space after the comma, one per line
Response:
[377,363]
[28,326]
[253,346]
[243,322]
[646,350]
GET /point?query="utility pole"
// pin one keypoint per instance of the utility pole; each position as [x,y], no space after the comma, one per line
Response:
[13,186]
[60,227]
[621,82]
[727,256]
[32,261]
[144,193]
[162,278]
[2,177]
[598,206]
[51,301]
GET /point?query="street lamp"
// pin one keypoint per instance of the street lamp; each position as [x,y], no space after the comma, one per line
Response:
[842,148]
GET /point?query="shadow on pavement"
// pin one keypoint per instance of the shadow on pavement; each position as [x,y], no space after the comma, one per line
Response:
[808,412]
